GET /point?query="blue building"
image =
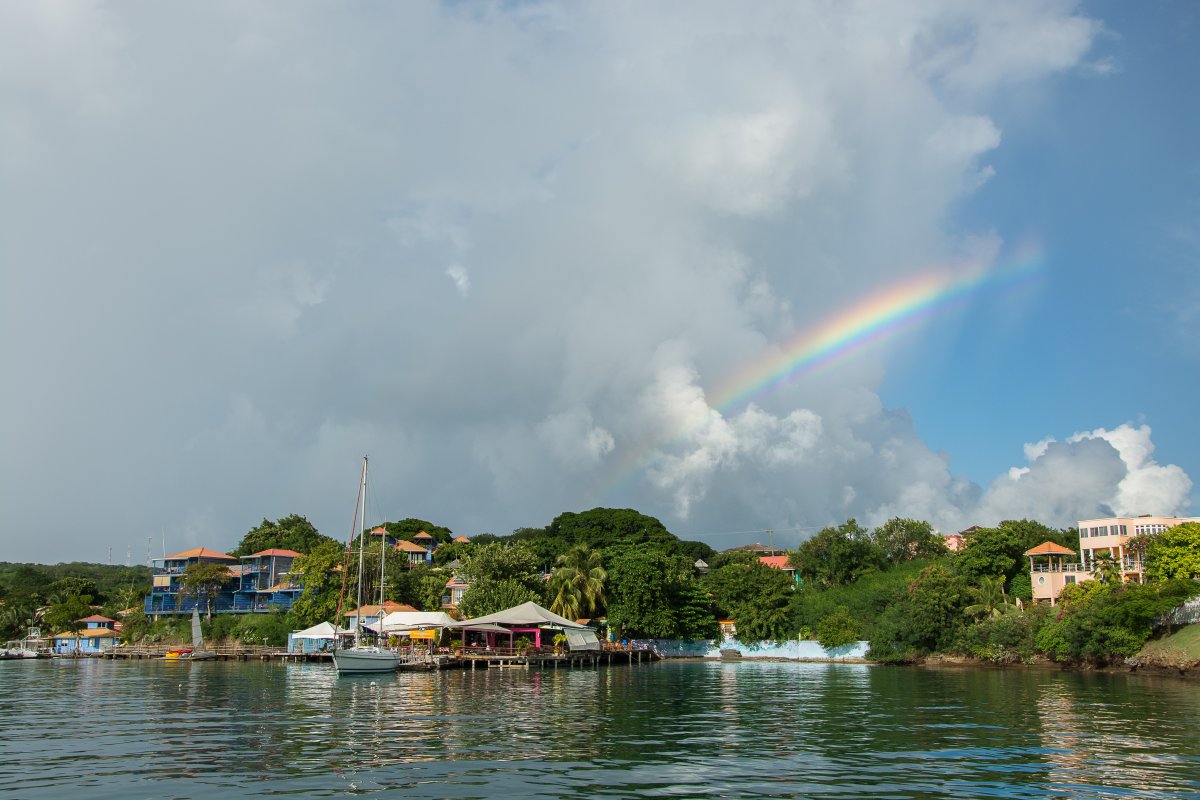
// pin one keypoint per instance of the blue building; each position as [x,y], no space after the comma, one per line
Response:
[258,583]
[98,635]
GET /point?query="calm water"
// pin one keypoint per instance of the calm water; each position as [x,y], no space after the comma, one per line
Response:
[208,730]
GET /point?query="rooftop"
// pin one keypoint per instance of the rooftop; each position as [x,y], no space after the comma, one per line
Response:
[200,552]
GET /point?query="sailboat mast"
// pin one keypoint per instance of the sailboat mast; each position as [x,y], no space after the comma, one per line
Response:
[361,522]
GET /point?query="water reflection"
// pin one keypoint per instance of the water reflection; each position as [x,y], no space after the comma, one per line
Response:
[697,729]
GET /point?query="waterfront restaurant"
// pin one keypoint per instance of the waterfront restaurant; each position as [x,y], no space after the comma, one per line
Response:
[530,618]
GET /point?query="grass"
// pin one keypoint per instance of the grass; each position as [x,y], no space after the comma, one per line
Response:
[1182,645]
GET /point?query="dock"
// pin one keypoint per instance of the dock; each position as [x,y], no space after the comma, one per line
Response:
[459,658]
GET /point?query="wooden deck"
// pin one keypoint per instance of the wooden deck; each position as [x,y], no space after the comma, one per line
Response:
[470,658]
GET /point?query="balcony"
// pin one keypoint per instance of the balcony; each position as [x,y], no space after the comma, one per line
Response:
[1060,568]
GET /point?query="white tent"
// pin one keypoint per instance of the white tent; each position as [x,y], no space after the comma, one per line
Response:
[404,621]
[322,630]
[530,614]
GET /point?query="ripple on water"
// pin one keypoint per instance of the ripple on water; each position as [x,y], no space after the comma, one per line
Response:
[143,729]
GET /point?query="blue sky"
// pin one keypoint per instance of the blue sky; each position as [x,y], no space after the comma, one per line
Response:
[511,253]
[1104,169]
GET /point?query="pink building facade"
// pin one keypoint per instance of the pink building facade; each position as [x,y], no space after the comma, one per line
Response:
[1053,568]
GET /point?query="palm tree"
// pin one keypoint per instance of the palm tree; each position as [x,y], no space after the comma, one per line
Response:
[1106,569]
[990,599]
[577,583]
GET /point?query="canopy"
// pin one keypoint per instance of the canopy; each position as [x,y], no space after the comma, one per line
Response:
[529,614]
[322,630]
[470,625]
[410,620]
[582,640]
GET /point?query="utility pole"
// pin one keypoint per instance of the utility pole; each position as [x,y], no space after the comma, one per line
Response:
[110,555]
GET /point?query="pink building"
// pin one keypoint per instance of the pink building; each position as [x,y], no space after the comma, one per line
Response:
[1052,567]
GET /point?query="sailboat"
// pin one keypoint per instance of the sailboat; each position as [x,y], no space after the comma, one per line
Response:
[197,651]
[364,658]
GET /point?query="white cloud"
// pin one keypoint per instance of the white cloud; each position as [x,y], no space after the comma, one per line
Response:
[462,280]
[661,200]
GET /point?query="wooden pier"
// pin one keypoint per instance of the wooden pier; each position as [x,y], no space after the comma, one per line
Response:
[467,659]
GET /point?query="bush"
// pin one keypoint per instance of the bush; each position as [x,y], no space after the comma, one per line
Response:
[1008,639]
[837,629]
[1099,624]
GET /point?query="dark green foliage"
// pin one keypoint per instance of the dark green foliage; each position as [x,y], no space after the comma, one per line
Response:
[445,553]
[644,587]
[420,587]
[754,595]
[837,629]
[407,528]
[1174,553]
[866,599]
[1021,587]
[74,587]
[293,532]
[928,619]
[1099,624]
[34,581]
[906,539]
[64,616]
[500,576]
[1007,639]
[603,529]
[694,618]
[838,556]
[320,571]
[1001,550]
[204,580]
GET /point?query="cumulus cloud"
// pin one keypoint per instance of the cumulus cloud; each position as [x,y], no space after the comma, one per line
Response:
[647,202]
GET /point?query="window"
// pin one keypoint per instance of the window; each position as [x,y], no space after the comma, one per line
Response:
[1070,579]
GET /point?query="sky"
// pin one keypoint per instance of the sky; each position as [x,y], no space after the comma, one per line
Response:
[741,267]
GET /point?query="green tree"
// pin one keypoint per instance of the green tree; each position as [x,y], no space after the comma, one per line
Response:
[322,575]
[1174,553]
[204,579]
[928,619]
[753,594]
[1099,623]
[1106,569]
[65,615]
[76,587]
[644,587]
[838,556]
[292,532]
[903,540]
[837,629]
[1001,550]
[408,528]
[990,599]
[577,583]
[500,576]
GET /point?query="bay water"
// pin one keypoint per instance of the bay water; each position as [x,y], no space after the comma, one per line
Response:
[140,729]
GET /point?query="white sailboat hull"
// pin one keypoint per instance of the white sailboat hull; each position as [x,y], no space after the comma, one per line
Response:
[365,659]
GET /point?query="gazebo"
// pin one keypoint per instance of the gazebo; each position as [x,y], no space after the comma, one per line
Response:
[1051,575]
[531,618]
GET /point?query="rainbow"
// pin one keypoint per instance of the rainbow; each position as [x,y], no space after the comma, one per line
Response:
[874,319]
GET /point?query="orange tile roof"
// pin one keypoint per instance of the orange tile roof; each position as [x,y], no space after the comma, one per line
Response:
[421,535]
[275,551]
[372,610]
[778,562]
[200,552]
[410,547]
[1050,549]
[462,540]
[97,618]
